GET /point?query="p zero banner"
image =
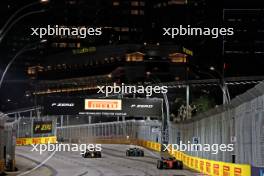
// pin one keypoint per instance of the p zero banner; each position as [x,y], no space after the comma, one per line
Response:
[113,107]
[41,127]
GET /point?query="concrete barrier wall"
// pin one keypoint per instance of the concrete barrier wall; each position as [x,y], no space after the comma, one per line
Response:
[209,167]
[241,124]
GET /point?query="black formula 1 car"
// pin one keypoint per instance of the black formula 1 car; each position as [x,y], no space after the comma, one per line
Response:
[169,163]
[134,152]
[92,154]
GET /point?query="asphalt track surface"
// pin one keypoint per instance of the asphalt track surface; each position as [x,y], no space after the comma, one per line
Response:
[114,162]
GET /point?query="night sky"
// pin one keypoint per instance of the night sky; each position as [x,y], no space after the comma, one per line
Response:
[242,53]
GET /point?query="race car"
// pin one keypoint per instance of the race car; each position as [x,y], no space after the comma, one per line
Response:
[134,152]
[169,163]
[92,154]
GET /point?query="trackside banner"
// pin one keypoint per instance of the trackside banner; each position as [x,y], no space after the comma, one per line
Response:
[42,127]
[141,107]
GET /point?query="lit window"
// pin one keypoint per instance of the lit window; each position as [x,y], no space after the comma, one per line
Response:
[117,28]
[34,69]
[63,45]
[134,3]
[134,30]
[178,57]
[71,2]
[124,29]
[134,12]
[116,3]
[171,2]
[135,57]
[31,71]
[142,3]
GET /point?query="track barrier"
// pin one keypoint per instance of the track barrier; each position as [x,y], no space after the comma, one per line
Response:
[36,140]
[209,167]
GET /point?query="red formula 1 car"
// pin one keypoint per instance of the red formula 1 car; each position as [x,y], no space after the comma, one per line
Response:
[169,163]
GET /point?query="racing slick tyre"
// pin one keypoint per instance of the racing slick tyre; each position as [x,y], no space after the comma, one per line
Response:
[87,155]
[160,164]
[178,165]
[98,154]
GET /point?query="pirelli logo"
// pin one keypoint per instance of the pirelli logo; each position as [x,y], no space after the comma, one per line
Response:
[103,104]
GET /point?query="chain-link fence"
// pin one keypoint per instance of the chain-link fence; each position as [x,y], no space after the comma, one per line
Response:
[241,123]
[148,130]
[10,145]
[7,143]
[26,125]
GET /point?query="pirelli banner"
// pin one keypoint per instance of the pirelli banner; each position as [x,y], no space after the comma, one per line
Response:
[138,107]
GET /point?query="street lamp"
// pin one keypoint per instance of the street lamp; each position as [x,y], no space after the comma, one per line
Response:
[6,28]
[226,97]
[222,84]
[24,49]
[44,1]
[165,115]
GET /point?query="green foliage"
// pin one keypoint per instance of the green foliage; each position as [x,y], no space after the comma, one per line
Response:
[203,103]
